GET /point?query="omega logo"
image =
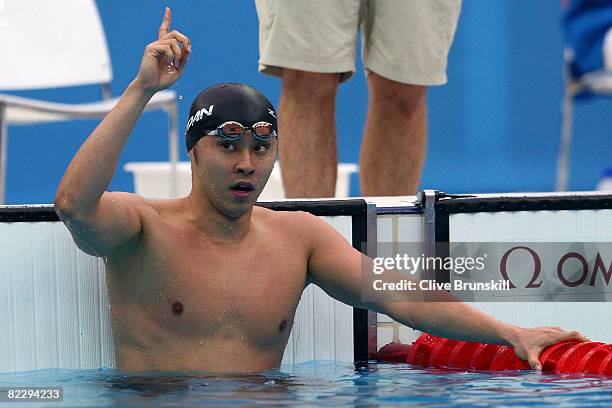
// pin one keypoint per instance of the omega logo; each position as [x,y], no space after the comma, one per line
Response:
[536,282]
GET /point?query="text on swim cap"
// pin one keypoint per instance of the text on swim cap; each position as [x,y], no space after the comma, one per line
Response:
[198,116]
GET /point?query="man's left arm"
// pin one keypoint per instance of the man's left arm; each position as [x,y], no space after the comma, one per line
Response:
[336,267]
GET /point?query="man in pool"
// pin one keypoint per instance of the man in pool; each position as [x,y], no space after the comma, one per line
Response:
[209,281]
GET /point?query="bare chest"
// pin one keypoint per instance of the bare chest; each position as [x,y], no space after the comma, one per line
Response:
[181,285]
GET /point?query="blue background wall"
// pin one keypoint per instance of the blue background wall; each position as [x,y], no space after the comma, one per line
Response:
[493,128]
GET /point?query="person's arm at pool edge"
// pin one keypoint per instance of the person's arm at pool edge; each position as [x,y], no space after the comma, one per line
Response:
[336,267]
[100,222]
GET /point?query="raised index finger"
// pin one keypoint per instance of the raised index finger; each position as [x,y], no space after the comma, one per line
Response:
[165,26]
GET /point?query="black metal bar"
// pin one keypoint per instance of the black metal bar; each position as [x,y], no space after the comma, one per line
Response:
[551,203]
[442,228]
[46,213]
[360,316]
[33,213]
[320,208]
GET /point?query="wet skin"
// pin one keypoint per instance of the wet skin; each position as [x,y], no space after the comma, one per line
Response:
[213,288]
[180,300]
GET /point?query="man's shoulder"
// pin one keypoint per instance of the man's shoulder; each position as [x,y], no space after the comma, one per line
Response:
[145,206]
[300,223]
[291,218]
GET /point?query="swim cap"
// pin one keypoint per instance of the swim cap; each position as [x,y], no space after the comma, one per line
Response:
[224,102]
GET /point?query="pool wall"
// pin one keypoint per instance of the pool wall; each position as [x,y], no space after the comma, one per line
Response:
[590,225]
[516,217]
[53,301]
[53,297]
[54,309]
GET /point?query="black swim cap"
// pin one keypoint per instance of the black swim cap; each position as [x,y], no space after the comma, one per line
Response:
[224,102]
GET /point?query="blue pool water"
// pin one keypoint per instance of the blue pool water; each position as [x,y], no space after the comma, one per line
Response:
[319,384]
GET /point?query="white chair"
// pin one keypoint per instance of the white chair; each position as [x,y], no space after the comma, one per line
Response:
[53,44]
[596,83]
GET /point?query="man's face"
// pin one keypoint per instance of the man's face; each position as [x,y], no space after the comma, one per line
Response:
[232,174]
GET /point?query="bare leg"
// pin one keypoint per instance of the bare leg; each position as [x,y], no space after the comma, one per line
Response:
[307,128]
[395,138]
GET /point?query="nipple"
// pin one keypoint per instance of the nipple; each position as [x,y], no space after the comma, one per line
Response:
[282,325]
[177,308]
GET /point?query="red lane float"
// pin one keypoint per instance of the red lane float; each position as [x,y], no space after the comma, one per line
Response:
[441,352]
[572,358]
[551,355]
[592,360]
[565,357]
[505,359]
[481,360]
[421,349]
[605,368]
[462,354]
[394,352]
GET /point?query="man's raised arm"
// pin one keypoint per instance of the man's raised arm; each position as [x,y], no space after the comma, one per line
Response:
[102,222]
[336,267]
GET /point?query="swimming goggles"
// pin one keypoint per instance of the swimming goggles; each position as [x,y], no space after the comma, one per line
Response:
[232,131]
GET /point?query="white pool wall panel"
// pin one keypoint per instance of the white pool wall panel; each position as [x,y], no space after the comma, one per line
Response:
[52,301]
[396,228]
[53,297]
[54,309]
[323,326]
[591,318]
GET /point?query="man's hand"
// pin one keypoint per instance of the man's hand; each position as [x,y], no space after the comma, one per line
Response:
[164,60]
[529,343]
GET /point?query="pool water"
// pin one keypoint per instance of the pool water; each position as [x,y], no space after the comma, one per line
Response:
[319,383]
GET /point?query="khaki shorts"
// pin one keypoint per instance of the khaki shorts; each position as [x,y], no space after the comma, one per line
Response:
[403,40]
